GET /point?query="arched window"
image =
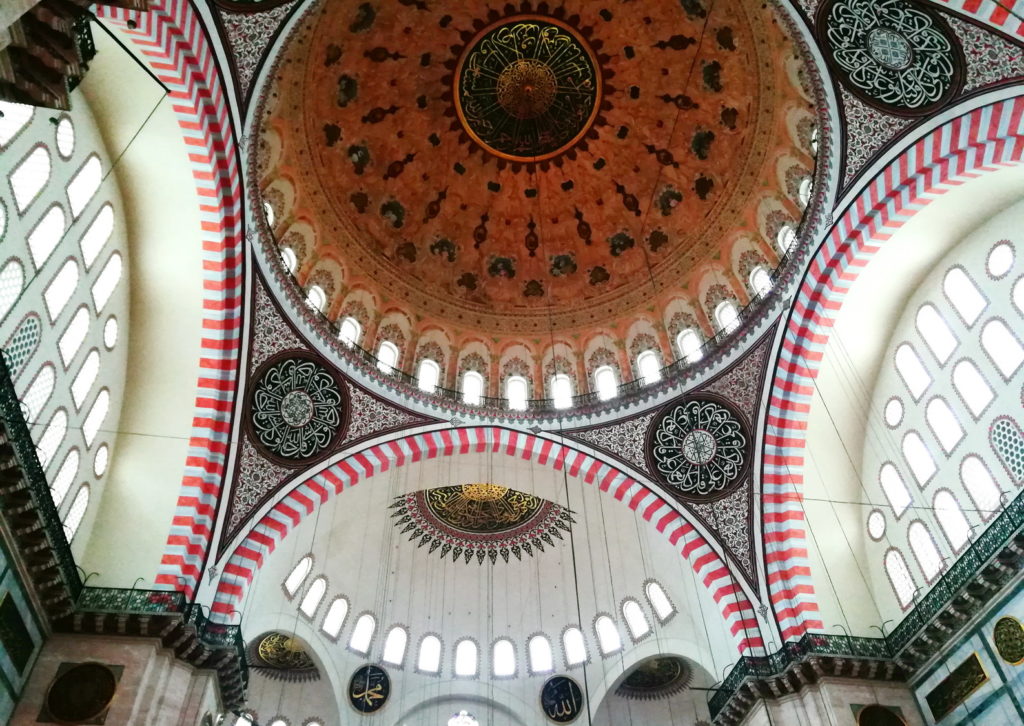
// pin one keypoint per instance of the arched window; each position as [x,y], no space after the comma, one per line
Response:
[463,718]
[541,660]
[316,298]
[429,658]
[46,235]
[466,658]
[605,382]
[894,488]
[964,294]
[608,639]
[97,236]
[659,601]
[804,192]
[29,177]
[350,331]
[727,317]
[918,457]
[100,461]
[110,333]
[785,238]
[503,659]
[394,646]
[912,371]
[23,343]
[107,281]
[15,117]
[636,621]
[84,185]
[76,513]
[649,366]
[899,575]
[60,289]
[814,141]
[268,212]
[936,333]
[38,393]
[689,345]
[64,477]
[428,375]
[760,281]
[279,722]
[925,551]
[951,519]
[561,390]
[472,388]
[1002,347]
[94,419]
[74,335]
[1018,295]
[575,646]
[314,595]
[387,357]
[12,278]
[298,575]
[288,257]
[65,137]
[85,378]
[516,391]
[362,634]
[972,387]
[1000,259]
[246,719]
[335,617]
[944,424]
[52,438]
[980,486]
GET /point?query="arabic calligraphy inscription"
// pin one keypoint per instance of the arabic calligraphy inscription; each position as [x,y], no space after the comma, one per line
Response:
[369,689]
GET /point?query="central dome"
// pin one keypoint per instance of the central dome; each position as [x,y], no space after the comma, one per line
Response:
[502,175]
[527,88]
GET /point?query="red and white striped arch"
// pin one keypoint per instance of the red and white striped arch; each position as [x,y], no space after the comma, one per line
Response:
[980,141]
[172,40]
[249,555]
[1005,15]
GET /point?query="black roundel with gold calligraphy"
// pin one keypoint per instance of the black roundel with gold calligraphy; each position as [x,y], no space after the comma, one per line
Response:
[562,700]
[527,87]
[369,689]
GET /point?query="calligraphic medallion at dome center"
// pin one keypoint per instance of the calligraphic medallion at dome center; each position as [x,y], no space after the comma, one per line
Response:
[527,88]
[699,448]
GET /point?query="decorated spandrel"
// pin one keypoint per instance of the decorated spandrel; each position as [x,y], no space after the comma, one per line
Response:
[562,699]
[369,689]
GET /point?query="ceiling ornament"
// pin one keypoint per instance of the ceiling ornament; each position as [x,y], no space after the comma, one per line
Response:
[527,88]
[480,520]
[660,677]
[892,54]
[699,448]
[282,657]
[1008,636]
[296,409]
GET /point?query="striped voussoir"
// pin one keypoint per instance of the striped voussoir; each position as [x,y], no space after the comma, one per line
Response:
[982,140]
[172,40]
[303,499]
[1005,16]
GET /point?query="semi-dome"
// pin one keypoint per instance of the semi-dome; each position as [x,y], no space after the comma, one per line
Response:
[511,180]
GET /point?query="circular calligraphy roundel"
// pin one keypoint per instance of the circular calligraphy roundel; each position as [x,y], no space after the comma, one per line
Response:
[562,700]
[892,54]
[699,447]
[369,689]
[296,408]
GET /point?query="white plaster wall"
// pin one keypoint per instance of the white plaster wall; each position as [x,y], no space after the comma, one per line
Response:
[366,560]
[166,278]
[841,405]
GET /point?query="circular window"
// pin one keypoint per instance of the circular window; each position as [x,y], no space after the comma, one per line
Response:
[876,525]
[894,412]
[99,464]
[65,138]
[110,332]
[1000,259]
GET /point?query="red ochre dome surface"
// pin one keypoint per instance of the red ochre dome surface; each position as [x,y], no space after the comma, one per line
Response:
[684,137]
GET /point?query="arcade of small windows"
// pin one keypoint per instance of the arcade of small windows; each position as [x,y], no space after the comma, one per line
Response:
[958,374]
[66,274]
[467,657]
